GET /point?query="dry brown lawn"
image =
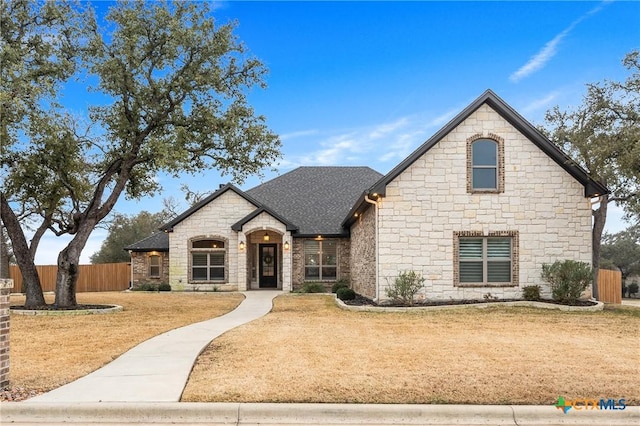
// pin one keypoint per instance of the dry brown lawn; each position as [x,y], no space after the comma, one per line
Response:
[49,351]
[308,350]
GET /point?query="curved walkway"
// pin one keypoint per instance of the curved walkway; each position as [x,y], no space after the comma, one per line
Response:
[157,370]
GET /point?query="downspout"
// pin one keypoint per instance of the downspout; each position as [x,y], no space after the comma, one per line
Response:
[375,204]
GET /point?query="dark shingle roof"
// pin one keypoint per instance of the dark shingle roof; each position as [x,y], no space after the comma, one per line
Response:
[315,199]
[156,242]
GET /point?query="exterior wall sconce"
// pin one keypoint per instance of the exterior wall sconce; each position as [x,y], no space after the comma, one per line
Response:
[241,245]
[266,237]
[286,245]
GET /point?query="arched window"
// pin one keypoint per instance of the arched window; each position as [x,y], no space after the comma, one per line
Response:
[484,165]
[208,260]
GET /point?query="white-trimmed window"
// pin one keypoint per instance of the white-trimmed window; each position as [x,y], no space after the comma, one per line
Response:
[155,264]
[320,260]
[208,260]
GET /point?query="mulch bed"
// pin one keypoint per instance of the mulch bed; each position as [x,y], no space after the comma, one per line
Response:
[55,308]
[364,301]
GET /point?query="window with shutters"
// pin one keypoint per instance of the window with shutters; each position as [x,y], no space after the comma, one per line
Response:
[320,260]
[485,260]
[208,260]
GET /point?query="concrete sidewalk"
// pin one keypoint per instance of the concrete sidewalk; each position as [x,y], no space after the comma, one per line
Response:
[308,414]
[157,369]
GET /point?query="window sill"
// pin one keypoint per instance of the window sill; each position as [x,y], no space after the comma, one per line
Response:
[209,282]
[485,191]
[485,285]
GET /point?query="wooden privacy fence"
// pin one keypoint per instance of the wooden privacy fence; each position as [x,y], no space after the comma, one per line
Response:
[609,286]
[100,277]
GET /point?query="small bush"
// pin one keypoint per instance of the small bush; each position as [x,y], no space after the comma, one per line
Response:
[312,287]
[338,285]
[405,286]
[345,293]
[568,279]
[632,289]
[164,287]
[531,292]
[146,287]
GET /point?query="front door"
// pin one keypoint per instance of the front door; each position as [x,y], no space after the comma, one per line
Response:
[268,260]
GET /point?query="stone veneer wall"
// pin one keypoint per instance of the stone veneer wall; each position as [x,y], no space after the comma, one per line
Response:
[5,289]
[213,220]
[140,265]
[363,254]
[429,201]
[344,264]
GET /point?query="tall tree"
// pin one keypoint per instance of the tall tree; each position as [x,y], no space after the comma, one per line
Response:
[175,83]
[126,230]
[603,136]
[40,43]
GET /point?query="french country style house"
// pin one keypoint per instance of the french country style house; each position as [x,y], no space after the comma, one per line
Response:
[476,209]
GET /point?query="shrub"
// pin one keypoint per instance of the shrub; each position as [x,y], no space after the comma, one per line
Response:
[531,292]
[145,287]
[164,287]
[338,285]
[632,289]
[312,287]
[345,293]
[405,286]
[567,279]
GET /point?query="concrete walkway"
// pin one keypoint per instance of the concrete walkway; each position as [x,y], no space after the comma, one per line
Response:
[157,369]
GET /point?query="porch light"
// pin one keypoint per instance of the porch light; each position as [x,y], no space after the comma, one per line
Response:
[286,245]
[241,245]
[266,237]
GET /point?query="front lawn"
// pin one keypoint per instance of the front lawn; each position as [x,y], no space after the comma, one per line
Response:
[49,351]
[308,350]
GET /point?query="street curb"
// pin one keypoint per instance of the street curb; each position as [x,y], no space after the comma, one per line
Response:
[308,414]
[599,306]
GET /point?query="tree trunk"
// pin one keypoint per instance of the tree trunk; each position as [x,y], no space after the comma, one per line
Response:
[4,254]
[599,220]
[30,278]
[68,266]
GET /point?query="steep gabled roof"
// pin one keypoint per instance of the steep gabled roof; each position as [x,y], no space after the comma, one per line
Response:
[315,199]
[239,224]
[591,187]
[228,187]
[156,242]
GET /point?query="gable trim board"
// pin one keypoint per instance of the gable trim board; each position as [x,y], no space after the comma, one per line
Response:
[415,216]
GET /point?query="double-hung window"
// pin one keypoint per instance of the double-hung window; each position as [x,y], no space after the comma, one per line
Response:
[154,266]
[487,260]
[320,260]
[208,260]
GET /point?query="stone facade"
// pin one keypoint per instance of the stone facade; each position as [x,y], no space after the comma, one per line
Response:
[5,289]
[141,273]
[429,201]
[344,262]
[213,220]
[363,254]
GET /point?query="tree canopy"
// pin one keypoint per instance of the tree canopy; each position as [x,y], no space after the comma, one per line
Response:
[622,251]
[603,136]
[174,83]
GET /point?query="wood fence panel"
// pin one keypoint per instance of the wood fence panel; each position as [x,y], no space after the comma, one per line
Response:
[609,286]
[100,277]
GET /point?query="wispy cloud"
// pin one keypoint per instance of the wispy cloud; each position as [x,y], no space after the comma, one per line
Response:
[538,104]
[540,59]
[298,134]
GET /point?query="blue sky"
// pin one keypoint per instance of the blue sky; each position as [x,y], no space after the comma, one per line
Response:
[365,83]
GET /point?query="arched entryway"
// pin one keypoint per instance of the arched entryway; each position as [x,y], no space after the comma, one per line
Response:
[265,255]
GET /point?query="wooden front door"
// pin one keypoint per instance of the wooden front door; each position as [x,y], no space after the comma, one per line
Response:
[268,261]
